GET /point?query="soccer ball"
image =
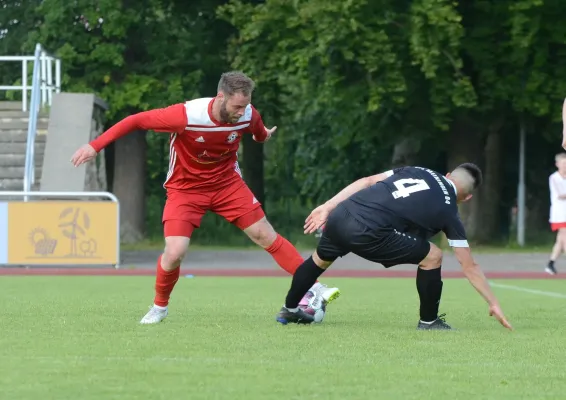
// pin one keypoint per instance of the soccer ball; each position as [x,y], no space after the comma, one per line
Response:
[313,305]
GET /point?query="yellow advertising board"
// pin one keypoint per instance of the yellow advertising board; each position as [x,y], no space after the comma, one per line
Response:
[62,232]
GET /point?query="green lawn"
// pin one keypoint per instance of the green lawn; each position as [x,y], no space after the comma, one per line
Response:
[79,338]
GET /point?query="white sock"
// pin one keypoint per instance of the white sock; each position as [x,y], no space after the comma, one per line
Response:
[427,323]
[317,286]
[159,307]
[292,309]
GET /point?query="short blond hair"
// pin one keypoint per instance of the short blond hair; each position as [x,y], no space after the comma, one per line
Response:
[236,82]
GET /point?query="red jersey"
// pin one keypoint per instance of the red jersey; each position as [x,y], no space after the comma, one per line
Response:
[203,151]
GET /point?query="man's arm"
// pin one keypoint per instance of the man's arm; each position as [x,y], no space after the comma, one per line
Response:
[355,187]
[456,235]
[554,190]
[475,275]
[257,127]
[317,218]
[168,119]
[260,133]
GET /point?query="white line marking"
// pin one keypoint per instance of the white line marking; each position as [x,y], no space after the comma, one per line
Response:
[79,358]
[532,291]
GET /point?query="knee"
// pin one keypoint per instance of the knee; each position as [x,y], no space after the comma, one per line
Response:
[322,264]
[175,250]
[262,233]
[433,259]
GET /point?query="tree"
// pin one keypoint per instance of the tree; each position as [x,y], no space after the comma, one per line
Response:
[432,81]
[136,55]
[344,75]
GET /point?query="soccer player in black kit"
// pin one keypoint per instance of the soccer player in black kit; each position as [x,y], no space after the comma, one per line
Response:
[389,218]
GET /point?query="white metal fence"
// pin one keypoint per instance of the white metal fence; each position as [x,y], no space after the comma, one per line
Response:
[48,77]
[44,82]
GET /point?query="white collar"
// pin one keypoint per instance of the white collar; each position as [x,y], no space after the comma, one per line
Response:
[452,183]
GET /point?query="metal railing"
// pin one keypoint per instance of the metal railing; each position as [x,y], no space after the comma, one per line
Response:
[42,88]
[48,80]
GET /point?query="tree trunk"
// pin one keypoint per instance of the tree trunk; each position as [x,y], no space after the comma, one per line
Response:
[405,152]
[252,166]
[129,185]
[490,192]
[465,145]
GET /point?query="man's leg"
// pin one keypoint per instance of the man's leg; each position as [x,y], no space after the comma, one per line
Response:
[429,286]
[167,274]
[182,214]
[562,233]
[307,274]
[237,204]
[305,277]
[557,249]
[391,247]
[259,230]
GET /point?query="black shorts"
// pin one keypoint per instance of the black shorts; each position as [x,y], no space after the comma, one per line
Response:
[344,234]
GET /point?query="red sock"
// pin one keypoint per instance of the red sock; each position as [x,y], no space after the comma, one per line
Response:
[164,284]
[285,254]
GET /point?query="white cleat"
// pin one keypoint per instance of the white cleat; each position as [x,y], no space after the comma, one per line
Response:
[328,294]
[154,315]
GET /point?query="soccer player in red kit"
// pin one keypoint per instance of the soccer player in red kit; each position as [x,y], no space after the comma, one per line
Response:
[204,176]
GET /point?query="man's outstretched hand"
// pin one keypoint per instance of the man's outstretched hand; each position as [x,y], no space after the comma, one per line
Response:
[83,155]
[495,311]
[316,219]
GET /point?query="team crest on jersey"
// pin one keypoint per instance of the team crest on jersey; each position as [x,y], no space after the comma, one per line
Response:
[232,137]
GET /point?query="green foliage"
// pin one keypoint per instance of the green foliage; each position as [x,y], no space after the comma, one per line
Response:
[345,81]
[345,76]
[129,54]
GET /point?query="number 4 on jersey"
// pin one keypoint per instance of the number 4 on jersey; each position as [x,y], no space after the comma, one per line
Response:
[407,186]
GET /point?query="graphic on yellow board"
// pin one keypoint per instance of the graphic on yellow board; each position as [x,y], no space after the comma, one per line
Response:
[62,232]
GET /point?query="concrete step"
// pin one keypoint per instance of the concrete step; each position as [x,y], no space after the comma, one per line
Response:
[19,115]
[21,124]
[20,148]
[14,185]
[19,136]
[11,184]
[13,160]
[17,172]
[11,105]
[18,160]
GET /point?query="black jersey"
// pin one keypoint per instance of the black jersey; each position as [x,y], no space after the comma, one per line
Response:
[412,200]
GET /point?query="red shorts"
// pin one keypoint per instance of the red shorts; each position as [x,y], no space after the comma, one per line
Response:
[557,225]
[234,201]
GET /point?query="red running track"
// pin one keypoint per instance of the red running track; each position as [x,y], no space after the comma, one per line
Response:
[263,273]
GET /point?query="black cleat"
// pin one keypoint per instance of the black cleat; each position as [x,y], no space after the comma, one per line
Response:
[298,317]
[550,269]
[438,324]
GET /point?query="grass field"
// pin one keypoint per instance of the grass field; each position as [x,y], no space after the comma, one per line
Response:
[79,338]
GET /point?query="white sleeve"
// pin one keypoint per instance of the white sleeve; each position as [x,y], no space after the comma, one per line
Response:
[393,171]
[552,186]
[455,232]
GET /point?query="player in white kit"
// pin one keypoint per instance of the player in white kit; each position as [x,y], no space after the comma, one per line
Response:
[557,185]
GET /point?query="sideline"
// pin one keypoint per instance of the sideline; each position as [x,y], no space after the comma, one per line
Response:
[526,290]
